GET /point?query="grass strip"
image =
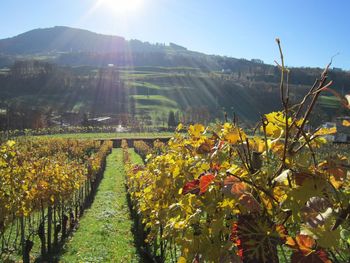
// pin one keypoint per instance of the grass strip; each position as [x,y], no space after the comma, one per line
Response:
[104,233]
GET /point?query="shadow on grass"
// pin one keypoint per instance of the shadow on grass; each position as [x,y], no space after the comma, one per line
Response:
[140,235]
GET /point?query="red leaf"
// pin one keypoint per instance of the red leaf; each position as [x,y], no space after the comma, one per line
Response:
[191,187]
[205,180]
[236,240]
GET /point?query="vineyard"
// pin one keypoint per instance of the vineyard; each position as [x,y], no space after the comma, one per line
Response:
[211,194]
[45,187]
[219,195]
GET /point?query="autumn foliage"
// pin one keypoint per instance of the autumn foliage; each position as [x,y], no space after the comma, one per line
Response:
[46,177]
[220,195]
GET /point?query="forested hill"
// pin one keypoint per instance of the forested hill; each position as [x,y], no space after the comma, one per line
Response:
[64,69]
[77,47]
[60,39]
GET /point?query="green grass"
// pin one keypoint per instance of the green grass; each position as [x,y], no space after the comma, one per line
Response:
[329,102]
[156,109]
[155,104]
[109,135]
[143,86]
[134,157]
[104,233]
[151,100]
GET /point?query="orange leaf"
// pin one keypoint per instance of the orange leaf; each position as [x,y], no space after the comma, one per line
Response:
[304,243]
[238,189]
[204,182]
[233,186]
[291,242]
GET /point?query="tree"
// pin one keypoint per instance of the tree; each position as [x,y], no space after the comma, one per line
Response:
[85,120]
[171,120]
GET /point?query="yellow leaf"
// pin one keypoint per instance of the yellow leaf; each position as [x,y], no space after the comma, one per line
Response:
[196,130]
[276,124]
[346,123]
[227,203]
[267,202]
[179,127]
[233,134]
[180,225]
[205,166]
[181,260]
[232,137]
[257,144]
[325,131]
[10,143]
[176,171]
[272,130]
[280,194]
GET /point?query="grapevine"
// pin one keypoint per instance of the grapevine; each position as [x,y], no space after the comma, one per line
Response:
[219,195]
[46,180]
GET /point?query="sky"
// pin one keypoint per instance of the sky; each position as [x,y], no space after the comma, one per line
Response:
[311,31]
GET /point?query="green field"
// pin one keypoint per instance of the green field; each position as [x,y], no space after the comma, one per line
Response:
[329,102]
[109,135]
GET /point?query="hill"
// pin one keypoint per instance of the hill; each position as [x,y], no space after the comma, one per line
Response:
[58,70]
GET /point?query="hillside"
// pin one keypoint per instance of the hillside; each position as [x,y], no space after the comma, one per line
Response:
[57,70]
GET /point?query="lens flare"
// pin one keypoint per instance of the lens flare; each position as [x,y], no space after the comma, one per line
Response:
[121,6]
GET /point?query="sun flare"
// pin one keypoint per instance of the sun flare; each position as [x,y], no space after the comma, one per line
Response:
[121,6]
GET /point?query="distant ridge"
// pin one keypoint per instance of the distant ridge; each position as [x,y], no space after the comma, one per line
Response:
[67,39]
[61,39]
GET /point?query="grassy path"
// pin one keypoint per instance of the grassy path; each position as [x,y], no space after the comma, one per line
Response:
[104,233]
[134,157]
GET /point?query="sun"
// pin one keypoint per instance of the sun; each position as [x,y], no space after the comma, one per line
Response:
[121,6]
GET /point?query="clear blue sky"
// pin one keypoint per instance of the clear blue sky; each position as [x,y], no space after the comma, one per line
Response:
[311,31]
